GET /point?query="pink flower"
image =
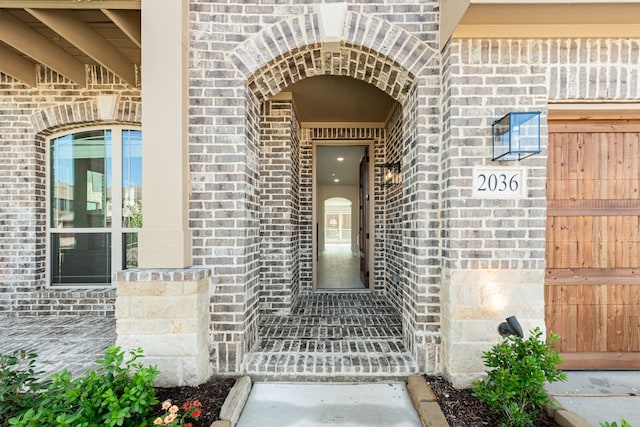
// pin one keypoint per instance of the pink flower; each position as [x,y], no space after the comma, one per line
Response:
[196,413]
[158,421]
[169,418]
[174,409]
[166,405]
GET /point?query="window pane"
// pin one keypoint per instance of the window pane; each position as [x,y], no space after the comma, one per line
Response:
[81,258]
[81,180]
[129,250]
[131,179]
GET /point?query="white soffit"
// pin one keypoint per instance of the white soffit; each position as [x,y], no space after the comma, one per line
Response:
[594,111]
[538,18]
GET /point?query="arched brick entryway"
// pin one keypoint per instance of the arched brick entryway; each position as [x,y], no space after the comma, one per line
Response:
[405,68]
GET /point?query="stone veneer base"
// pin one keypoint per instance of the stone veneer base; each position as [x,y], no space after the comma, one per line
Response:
[166,313]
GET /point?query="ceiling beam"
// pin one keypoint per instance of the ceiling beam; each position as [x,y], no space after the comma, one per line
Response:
[17,67]
[81,35]
[128,21]
[68,4]
[32,44]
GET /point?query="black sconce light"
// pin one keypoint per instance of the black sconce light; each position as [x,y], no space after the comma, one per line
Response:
[510,327]
[391,174]
[516,136]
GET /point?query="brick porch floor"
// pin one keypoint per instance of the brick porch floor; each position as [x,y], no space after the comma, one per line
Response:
[332,336]
[329,335]
[71,343]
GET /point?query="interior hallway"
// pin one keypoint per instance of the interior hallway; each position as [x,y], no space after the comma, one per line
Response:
[338,268]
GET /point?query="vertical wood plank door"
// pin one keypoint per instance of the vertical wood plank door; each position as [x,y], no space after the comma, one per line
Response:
[592,285]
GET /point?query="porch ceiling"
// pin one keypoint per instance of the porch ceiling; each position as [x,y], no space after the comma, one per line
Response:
[338,99]
[64,35]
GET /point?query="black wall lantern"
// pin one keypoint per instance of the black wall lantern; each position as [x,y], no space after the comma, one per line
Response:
[391,174]
[516,136]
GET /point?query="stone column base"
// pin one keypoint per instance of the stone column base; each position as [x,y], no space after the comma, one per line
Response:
[166,313]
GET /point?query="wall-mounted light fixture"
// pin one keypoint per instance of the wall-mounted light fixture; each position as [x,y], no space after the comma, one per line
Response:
[516,136]
[510,327]
[391,174]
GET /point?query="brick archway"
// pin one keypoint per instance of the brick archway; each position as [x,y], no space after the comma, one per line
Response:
[392,60]
[371,50]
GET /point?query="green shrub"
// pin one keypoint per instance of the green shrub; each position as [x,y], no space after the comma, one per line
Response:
[120,392]
[514,387]
[623,423]
[19,386]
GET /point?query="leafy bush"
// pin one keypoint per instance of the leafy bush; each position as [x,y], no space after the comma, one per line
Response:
[19,386]
[514,387]
[623,423]
[120,392]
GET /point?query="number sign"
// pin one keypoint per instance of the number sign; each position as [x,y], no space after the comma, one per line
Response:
[499,182]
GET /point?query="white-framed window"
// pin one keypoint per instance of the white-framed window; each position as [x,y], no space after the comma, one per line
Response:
[94,203]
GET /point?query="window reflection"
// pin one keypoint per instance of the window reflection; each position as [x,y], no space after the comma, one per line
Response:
[81,258]
[132,179]
[81,180]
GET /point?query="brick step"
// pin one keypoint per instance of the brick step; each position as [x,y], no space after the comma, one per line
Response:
[341,359]
[344,311]
[297,320]
[330,332]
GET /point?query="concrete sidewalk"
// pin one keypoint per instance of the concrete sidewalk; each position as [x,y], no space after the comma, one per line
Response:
[600,396]
[324,404]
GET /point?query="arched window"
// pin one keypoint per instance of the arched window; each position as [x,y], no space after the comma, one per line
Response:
[95,205]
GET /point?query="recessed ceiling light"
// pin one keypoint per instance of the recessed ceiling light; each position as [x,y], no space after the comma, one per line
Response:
[333,174]
[340,159]
[336,180]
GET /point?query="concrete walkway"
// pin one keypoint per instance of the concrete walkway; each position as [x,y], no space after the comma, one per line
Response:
[600,396]
[323,404]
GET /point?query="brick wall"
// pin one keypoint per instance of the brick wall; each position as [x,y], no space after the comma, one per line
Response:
[393,226]
[279,216]
[27,117]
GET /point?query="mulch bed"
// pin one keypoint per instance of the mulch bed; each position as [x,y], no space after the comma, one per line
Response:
[210,394]
[462,409]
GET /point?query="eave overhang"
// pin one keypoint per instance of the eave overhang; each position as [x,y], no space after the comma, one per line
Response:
[465,19]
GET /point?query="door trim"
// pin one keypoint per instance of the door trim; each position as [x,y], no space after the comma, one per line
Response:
[314,205]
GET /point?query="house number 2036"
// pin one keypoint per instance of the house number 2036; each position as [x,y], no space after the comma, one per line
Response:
[499,183]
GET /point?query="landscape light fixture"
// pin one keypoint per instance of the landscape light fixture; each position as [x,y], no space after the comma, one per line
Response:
[516,136]
[510,327]
[391,174]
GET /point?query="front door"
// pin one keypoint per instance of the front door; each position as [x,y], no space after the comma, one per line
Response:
[363,212]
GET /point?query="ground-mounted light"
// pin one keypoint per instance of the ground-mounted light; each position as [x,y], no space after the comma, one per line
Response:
[391,174]
[516,136]
[510,327]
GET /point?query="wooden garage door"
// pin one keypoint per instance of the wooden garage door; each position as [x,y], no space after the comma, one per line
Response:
[592,286]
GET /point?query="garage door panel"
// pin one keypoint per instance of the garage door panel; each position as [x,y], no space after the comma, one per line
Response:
[592,284]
